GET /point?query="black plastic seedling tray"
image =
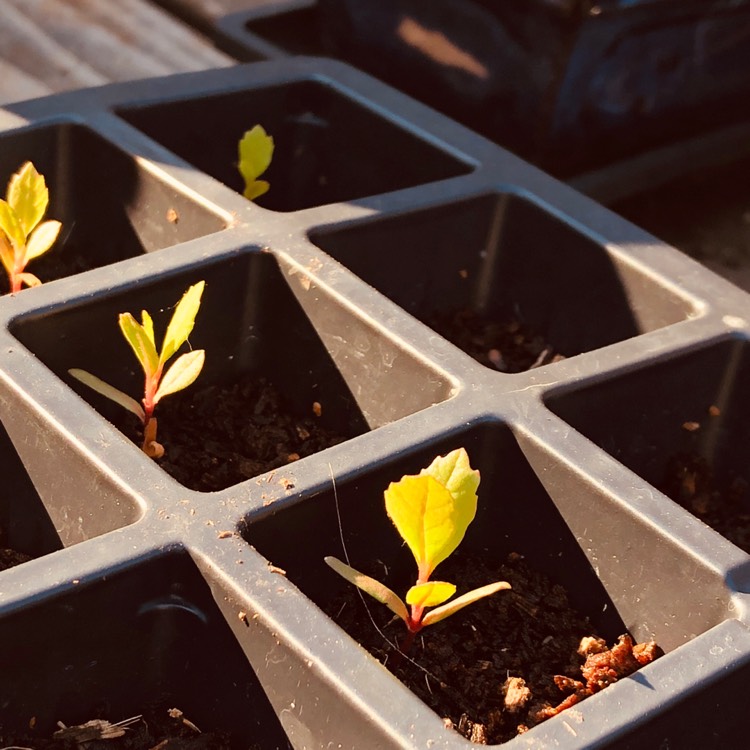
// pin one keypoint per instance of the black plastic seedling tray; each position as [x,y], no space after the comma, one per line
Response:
[635,154]
[568,84]
[381,215]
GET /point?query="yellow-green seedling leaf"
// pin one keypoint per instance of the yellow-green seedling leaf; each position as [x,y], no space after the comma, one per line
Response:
[148,326]
[42,239]
[29,279]
[456,475]
[181,374]
[370,586]
[182,321]
[430,594]
[255,152]
[137,336]
[428,518]
[28,197]
[112,393]
[10,224]
[440,613]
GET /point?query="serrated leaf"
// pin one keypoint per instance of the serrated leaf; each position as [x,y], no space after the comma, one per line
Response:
[28,197]
[430,520]
[148,326]
[430,594]
[456,475]
[112,393]
[370,586]
[182,321]
[10,224]
[255,152]
[141,344]
[181,374]
[440,613]
[29,279]
[6,254]
[255,189]
[42,239]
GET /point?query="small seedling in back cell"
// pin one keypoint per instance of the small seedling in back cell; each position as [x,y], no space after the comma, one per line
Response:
[256,151]
[158,383]
[24,235]
[431,512]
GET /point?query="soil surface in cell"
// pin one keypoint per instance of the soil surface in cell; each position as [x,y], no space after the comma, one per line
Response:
[502,665]
[163,729]
[9,558]
[506,345]
[56,264]
[217,436]
[689,481]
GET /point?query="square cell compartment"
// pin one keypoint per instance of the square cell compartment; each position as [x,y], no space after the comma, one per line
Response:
[328,147]
[141,640]
[501,257]
[565,533]
[680,424]
[256,320]
[111,207]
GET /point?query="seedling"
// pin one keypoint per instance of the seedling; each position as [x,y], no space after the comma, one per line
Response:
[24,235]
[431,512]
[158,384]
[256,151]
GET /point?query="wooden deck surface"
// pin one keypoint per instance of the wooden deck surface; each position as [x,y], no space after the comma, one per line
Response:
[56,45]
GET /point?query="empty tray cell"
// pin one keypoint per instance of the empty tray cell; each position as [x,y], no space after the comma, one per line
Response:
[132,645]
[110,206]
[283,377]
[504,279]
[319,134]
[682,426]
[521,534]
[26,530]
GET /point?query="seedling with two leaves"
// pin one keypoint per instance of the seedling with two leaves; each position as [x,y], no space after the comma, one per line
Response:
[431,512]
[158,383]
[24,235]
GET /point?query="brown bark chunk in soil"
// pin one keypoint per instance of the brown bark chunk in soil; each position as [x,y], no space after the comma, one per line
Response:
[495,668]
[603,667]
[216,436]
[506,345]
[689,481]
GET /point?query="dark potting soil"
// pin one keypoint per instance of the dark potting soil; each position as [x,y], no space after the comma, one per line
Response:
[502,665]
[216,436]
[689,481]
[57,263]
[163,729]
[506,345]
[9,558]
